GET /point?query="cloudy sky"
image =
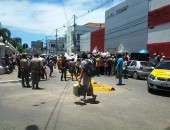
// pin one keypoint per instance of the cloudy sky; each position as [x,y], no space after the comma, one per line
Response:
[38,19]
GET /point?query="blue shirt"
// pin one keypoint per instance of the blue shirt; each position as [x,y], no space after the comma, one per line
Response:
[120,64]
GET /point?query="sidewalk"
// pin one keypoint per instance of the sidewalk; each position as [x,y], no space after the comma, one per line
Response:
[10,78]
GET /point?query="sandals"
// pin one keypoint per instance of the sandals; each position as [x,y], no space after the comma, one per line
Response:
[94,97]
[84,100]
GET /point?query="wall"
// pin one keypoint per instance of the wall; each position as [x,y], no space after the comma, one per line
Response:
[159,27]
[85,42]
[97,40]
[126,23]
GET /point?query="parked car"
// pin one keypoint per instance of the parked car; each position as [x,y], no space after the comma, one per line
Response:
[159,78]
[139,69]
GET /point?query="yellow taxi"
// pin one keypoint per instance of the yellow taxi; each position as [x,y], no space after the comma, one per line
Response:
[159,78]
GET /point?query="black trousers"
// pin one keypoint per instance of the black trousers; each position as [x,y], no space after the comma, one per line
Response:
[25,77]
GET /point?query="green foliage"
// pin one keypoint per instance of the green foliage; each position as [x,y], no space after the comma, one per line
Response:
[12,42]
[20,49]
[5,33]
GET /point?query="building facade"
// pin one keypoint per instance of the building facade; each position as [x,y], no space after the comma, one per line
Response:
[91,40]
[159,27]
[37,47]
[72,43]
[97,40]
[60,45]
[126,24]
[18,41]
[51,47]
[55,47]
[85,42]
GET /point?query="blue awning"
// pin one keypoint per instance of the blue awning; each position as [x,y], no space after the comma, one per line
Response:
[144,51]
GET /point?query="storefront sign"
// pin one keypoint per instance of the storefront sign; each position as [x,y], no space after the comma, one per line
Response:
[117,12]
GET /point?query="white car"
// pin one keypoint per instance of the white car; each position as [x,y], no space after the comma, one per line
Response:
[159,78]
[138,69]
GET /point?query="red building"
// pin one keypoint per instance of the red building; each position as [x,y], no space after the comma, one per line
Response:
[159,28]
[97,40]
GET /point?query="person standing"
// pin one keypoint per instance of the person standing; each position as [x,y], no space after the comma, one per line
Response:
[97,65]
[18,65]
[120,68]
[13,58]
[72,68]
[86,79]
[110,64]
[24,71]
[35,67]
[50,65]
[63,69]
[125,68]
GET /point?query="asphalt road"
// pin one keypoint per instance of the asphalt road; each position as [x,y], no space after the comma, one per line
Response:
[54,107]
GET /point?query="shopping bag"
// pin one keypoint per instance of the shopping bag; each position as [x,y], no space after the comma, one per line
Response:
[78,90]
[75,89]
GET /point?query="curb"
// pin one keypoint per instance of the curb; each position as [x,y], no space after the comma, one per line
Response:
[10,81]
[16,81]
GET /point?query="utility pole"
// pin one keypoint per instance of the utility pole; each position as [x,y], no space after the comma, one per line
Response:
[56,42]
[74,34]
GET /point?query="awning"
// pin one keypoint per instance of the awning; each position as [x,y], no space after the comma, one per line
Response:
[2,44]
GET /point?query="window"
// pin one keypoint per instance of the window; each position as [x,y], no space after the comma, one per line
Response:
[163,65]
[52,45]
[133,63]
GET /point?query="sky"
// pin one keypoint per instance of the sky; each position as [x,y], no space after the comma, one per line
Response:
[34,20]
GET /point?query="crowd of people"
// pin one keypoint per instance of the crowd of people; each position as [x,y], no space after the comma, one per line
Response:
[35,67]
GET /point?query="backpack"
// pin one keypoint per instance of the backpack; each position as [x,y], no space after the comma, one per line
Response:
[90,69]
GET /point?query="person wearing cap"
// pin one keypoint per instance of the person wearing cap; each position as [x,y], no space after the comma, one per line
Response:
[24,71]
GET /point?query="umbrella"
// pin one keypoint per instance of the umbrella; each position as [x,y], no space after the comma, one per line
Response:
[144,51]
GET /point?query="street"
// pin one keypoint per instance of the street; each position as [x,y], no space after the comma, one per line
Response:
[54,107]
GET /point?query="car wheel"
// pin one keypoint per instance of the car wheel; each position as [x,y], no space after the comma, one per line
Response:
[135,75]
[150,90]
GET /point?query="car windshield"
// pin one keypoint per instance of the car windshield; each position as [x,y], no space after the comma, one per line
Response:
[146,64]
[163,65]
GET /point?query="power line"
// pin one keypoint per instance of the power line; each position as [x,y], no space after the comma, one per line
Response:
[64,11]
[94,9]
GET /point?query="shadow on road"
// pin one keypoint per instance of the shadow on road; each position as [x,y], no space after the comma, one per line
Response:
[161,93]
[32,127]
[168,128]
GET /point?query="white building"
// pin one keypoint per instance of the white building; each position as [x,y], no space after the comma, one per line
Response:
[60,45]
[54,48]
[85,42]
[37,47]
[74,46]
[51,47]
[126,23]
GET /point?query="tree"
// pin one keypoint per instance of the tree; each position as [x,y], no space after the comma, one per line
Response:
[13,42]
[5,33]
[20,49]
